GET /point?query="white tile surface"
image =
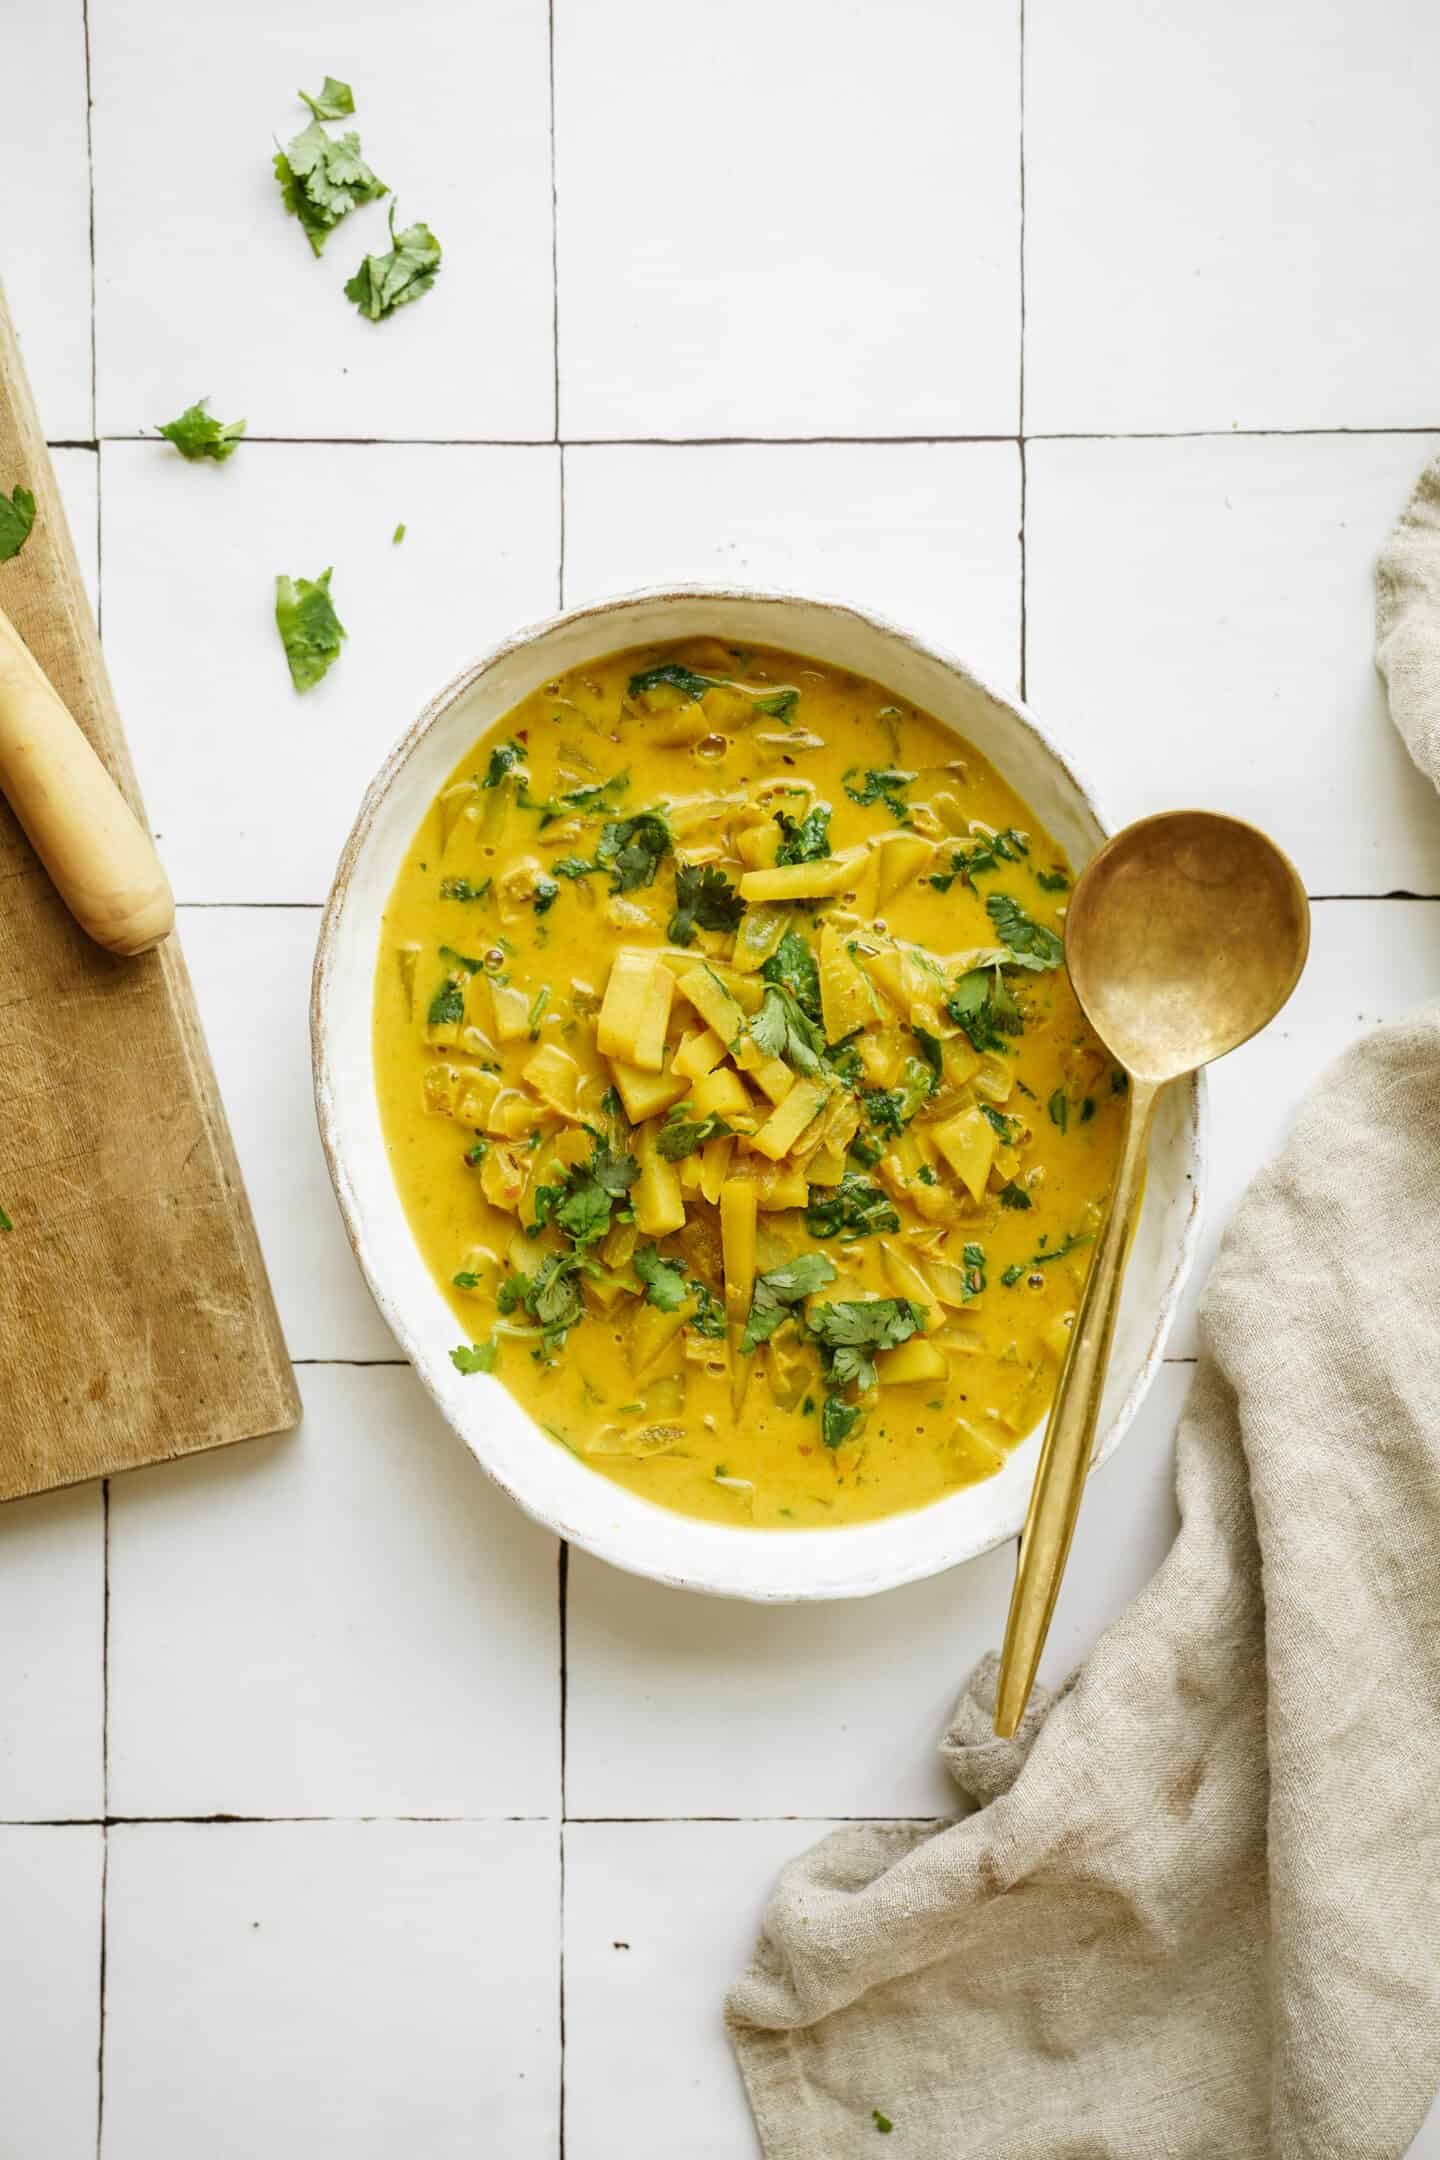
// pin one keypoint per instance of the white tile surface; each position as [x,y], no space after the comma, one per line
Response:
[362,1989]
[455,118]
[251,971]
[49,1992]
[732,1709]
[1222,207]
[659,1919]
[45,259]
[928,533]
[1200,628]
[768,231]
[1369,961]
[52,1627]
[350,1620]
[77,475]
[252,789]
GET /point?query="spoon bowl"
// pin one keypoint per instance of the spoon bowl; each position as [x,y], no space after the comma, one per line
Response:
[1184,937]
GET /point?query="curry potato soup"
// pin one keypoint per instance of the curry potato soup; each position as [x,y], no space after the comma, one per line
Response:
[735,1088]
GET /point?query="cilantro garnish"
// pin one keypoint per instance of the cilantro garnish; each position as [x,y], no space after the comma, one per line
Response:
[849,1333]
[1068,1244]
[680,1136]
[852,1209]
[632,849]
[704,899]
[672,677]
[804,839]
[985,854]
[335,101]
[322,179]
[581,1203]
[883,786]
[1012,1274]
[1031,943]
[890,1110]
[478,1357]
[838,1420]
[779,706]
[1059,1109]
[17,515]
[1003,1125]
[983,1004]
[398,535]
[460,888]
[547,892]
[792,966]
[881,2122]
[384,283]
[709,1316]
[309,628]
[503,759]
[1014,1196]
[197,434]
[1052,881]
[783,1029]
[664,1280]
[778,1290]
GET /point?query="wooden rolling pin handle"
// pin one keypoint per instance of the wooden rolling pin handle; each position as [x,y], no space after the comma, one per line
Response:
[99,856]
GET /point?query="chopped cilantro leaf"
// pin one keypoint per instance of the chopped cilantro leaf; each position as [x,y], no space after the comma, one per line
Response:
[804,839]
[336,100]
[1052,881]
[881,2122]
[1119,1081]
[783,1029]
[197,434]
[850,1331]
[477,1152]
[384,283]
[708,1318]
[1059,1109]
[883,786]
[397,536]
[460,888]
[680,1136]
[792,967]
[547,892]
[1012,1274]
[580,1204]
[1068,1244]
[664,1280]
[780,1288]
[779,705]
[503,759]
[447,1007]
[1014,1196]
[632,849]
[476,1357]
[852,1209]
[309,628]
[1003,1125]
[890,1110]
[704,899]
[984,1006]
[17,515]
[601,795]
[838,1420]
[985,854]
[930,1050]
[926,1175]
[1030,941]
[671,677]
[322,179]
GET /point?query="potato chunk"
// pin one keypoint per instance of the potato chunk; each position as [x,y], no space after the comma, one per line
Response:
[738,1207]
[789,1119]
[803,880]
[911,1363]
[636,1009]
[968,1142]
[655,1196]
[846,999]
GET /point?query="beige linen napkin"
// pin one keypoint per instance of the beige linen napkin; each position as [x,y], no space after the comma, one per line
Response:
[1197,1909]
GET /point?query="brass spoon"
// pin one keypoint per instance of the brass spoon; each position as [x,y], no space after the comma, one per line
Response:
[1185,936]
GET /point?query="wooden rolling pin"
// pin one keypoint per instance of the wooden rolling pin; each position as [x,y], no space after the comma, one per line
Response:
[99,856]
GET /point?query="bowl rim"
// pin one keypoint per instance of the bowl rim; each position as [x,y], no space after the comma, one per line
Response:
[615,1550]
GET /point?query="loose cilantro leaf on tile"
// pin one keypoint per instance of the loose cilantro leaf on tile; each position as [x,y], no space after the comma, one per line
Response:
[704,899]
[804,839]
[1030,941]
[335,100]
[309,628]
[322,179]
[384,283]
[17,515]
[397,536]
[197,434]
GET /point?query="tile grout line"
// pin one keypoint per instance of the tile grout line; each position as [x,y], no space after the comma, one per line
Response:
[562,1571]
[1024,468]
[90,175]
[554,231]
[773,442]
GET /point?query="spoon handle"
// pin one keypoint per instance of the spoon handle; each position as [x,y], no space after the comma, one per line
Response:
[1070,1435]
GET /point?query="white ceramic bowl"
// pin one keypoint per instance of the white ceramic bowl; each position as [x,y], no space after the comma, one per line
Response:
[548,1482]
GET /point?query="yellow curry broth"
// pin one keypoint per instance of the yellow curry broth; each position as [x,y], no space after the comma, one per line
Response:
[955,1090]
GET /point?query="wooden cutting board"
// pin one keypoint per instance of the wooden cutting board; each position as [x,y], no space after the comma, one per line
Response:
[136,1320]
